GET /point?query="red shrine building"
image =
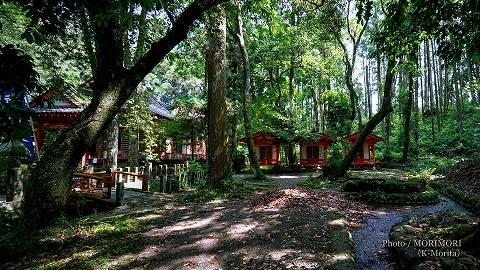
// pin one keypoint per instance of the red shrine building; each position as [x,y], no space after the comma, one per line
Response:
[267,147]
[315,153]
[366,155]
[54,110]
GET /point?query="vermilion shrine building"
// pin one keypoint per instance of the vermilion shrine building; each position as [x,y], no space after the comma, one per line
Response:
[267,147]
[315,153]
[54,110]
[366,155]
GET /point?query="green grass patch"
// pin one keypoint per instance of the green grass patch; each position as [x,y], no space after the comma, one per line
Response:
[317,183]
[231,189]
[82,243]
[472,202]
[434,164]
[426,197]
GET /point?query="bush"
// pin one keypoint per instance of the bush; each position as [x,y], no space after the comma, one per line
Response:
[426,197]
[314,183]
[391,185]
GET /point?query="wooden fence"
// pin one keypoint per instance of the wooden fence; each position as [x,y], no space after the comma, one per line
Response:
[153,178]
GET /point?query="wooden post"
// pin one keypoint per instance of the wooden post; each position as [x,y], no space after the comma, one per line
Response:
[119,192]
[15,187]
[325,153]
[136,178]
[164,179]
[128,176]
[145,182]
[373,157]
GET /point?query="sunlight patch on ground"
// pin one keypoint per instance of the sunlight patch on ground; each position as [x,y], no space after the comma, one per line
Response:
[240,230]
[278,254]
[286,176]
[150,251]
[120,261]
[207,243]
[82,255]
[338,222]
[202,261]
[183,225]
[149,217]
[338,258]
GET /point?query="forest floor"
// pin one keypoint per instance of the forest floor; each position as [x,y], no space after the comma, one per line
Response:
[281,228]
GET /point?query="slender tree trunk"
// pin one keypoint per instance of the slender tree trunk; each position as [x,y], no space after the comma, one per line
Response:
[247,86]
[386,108]
[218,158]
[111,144]
[407,114]
[458,99]
[193,142]
[430,90]
[233,139]
[368,92]
[316,112]
[416,129]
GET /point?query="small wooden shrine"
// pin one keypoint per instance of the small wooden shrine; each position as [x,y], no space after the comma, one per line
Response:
[267,147]
[315,153]
[366,155]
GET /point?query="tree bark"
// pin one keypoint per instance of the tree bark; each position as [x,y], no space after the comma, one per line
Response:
[247,86]
[430,89]
[111,144]
[386,108]
[50,181]
[407,114]
[218,158]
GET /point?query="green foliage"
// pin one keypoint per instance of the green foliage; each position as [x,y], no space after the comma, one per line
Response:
[338,113]
[469,201]
[426,197]
[138,116]
[313,182]
[231,189]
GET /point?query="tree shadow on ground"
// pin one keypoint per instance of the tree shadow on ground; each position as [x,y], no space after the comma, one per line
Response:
[286,231]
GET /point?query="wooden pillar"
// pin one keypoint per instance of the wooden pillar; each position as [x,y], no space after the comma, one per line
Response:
[301,154]
[39,133]
[325,153]
[278,154]
[373,156]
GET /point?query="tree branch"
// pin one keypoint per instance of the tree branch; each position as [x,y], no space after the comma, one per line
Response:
[177,33]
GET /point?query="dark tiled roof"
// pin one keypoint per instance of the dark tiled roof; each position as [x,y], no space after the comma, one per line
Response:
[80,101]
[57,110]
[157,107]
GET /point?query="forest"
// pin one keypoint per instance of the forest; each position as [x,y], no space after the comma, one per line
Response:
[239,134]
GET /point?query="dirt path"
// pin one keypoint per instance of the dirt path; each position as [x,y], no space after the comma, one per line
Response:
[288,180]
[370,251]
[283,228]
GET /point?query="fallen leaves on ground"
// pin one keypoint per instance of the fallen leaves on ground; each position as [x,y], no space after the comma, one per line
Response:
[329,200]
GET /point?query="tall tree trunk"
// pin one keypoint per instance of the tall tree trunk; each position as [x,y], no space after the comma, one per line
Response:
[369,95]
[50,181]
[247,86]
[458,99]
[111,144]
[430,90]
[416,130]
[386,108]
[316,113]
[218,158]
[233,139]
[407,114]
